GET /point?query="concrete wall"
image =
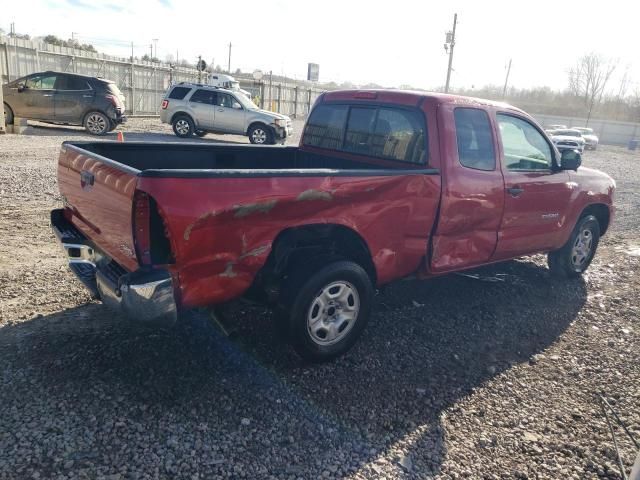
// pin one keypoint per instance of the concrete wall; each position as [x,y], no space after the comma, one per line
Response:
[142,83]
[610,132]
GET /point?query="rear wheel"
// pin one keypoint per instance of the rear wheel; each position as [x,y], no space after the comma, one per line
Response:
[576,255]
[261,135]
[326,309]
[183,126]
[8,114]
[96,123]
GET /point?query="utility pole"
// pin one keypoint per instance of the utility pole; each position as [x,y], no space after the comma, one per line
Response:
[199,71]
[150,51]
[448,46]
[229,65]
[133,83]
[155,48]
[506,80]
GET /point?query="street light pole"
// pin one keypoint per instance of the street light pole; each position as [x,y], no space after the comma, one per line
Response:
[451,42]
[229,65]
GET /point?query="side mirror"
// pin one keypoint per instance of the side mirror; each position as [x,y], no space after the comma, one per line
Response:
[570,160]
[21,88]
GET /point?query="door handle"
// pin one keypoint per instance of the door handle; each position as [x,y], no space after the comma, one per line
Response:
[221,109]
[515,191]
[47,94]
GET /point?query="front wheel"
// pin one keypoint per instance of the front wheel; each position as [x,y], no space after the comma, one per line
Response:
[260,135]
[576,255]
[97,123]
[328,309]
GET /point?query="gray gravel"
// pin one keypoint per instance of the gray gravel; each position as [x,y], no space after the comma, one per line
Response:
[454,378]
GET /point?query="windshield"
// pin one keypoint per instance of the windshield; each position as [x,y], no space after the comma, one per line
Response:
[246,102]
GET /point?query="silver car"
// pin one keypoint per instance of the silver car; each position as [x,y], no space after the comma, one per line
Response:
[195,109]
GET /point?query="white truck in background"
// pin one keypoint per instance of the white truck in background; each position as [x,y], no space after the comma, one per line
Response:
[222,80]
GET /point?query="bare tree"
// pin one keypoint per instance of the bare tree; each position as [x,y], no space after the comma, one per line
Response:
[589,77]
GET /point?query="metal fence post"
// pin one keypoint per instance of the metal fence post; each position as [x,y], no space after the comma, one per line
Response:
[279,97]
[295,102]
[309,103]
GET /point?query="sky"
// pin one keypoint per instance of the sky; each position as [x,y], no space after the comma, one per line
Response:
[390,43]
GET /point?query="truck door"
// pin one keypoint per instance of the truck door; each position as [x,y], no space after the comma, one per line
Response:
[537,195]
[473,190]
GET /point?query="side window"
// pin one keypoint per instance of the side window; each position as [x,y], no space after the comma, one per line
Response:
[524,146]
[399,135]
[359,130]
[475,142]
[203,96]
[178,93]
[227,101]
[325,126]
[69,82]
[44,82]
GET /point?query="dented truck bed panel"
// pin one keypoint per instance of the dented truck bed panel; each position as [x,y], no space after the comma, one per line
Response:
[222,230]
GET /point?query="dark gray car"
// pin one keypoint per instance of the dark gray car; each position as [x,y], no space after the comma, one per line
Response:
[65,98]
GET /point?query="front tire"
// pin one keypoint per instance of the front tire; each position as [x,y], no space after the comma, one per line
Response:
[328,309]
[260,135]
[576,255]
[8,114]
[183,126]
[97,123]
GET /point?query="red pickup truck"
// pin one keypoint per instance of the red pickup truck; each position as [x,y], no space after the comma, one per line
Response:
[384,184]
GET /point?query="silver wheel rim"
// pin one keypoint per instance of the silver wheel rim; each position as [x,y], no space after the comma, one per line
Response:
[582,248]
[259,136]
[182,127]
[333,313]
[96,123]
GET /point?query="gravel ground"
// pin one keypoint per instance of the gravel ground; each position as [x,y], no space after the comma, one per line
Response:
[454,378]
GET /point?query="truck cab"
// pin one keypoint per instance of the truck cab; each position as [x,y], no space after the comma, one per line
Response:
[384,185]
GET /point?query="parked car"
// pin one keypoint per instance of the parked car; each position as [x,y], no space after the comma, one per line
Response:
[556,127]
[384,185]
[67,99]
[590,138]
[569,139]
[195,109]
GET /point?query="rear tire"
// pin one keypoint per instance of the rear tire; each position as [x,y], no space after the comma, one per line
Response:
[183,126]
[96,123]
[576,255]
[326,309]
[8,114]
[260,135]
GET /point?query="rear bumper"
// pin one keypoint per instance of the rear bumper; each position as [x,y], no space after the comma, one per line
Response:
[145,296]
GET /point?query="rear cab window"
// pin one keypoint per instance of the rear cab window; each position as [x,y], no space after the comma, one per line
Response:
[178,93]
[386,132]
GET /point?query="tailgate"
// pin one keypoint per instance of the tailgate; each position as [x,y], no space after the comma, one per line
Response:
[98,195]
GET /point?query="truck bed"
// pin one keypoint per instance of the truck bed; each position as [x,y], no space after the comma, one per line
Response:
[176,159]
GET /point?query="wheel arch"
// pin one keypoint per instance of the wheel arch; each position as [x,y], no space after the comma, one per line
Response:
[182,114]
[602,214]
[295,245]
[256,123]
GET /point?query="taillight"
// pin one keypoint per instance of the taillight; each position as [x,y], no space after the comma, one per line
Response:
[151,235]
[113,100]
[142,227]
[165,104]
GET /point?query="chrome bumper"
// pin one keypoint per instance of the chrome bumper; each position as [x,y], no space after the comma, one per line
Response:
[145,296]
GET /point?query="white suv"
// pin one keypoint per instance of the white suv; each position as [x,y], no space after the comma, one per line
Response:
[195,109]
